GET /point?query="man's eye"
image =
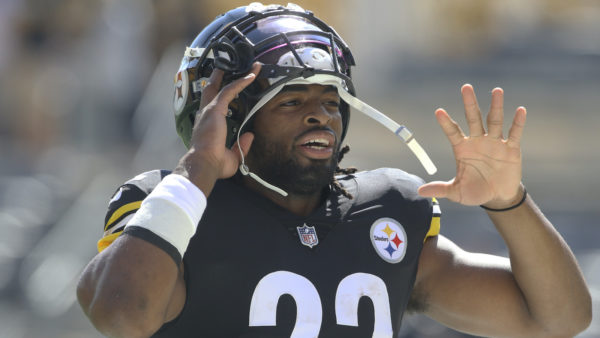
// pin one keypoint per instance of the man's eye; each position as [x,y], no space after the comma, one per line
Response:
[289,103]
[333,103]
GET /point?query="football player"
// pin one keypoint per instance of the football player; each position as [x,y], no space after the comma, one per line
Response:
[258,232]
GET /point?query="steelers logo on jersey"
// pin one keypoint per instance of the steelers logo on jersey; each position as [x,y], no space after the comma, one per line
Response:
[389,239]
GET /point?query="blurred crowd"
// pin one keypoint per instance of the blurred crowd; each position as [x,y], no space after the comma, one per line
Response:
[85,90]
[72,74]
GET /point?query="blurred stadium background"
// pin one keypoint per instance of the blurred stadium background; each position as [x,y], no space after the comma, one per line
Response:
[85,103]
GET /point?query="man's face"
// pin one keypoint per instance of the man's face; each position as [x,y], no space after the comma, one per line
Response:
[296,140]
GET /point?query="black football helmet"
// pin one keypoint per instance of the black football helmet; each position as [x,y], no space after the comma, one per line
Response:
[291,43]
[294,46]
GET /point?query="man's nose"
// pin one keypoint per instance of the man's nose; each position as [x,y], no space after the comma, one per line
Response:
[318,114]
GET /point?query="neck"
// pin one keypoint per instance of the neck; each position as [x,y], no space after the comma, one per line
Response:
[299,204]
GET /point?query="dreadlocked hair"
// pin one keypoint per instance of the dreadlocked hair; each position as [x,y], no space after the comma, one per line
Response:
[342,171]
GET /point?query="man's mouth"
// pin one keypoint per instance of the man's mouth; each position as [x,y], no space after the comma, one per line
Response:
[317,144]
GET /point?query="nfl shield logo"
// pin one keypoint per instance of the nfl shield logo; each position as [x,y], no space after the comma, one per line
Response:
[308,235]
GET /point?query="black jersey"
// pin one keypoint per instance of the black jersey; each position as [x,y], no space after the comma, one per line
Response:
[253,269]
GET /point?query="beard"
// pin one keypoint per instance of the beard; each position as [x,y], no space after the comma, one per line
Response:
[274,164]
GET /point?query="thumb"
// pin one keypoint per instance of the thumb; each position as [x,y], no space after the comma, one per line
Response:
[245,142]
[233,156]
[437,189]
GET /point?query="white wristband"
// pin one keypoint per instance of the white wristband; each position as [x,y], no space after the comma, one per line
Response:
[172,211]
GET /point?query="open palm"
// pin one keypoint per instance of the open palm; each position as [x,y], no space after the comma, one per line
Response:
[488,166]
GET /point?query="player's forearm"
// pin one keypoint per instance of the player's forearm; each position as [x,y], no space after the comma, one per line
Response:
[126,289]
[545,269]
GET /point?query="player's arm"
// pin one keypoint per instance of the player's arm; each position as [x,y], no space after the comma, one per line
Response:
[539,290]
[131,288]
[136,284]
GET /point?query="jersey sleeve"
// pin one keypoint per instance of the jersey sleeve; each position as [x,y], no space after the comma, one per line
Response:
[436,214]
[125,202]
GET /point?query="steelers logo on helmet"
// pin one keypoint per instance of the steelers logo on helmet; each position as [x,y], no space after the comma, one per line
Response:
[389,239]
[181,91]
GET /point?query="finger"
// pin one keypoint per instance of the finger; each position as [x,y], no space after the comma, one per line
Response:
[495,117]
[452,130]
[235,158]
[472,112]
[230,91]
[516,130]
[245,142]
[212,87]
[438,189]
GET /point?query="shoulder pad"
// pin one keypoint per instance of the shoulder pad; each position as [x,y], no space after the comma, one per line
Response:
[126,201]
[148,180]
[385,180]
[397,186]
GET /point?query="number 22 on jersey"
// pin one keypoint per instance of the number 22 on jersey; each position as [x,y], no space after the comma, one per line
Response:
[309,312]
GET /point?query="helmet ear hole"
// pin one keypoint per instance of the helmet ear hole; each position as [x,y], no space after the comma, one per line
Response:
[237,110]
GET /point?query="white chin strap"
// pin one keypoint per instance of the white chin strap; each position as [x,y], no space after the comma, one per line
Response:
[393,126]
[331,80]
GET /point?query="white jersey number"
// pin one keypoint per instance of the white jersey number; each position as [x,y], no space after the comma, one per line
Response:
[309,311]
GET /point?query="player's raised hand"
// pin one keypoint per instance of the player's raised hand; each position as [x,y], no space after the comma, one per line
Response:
[208,158]
[488,166]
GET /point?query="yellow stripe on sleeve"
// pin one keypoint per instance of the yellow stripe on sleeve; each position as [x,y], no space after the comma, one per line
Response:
[434,227]
[122,210]
[105,241]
